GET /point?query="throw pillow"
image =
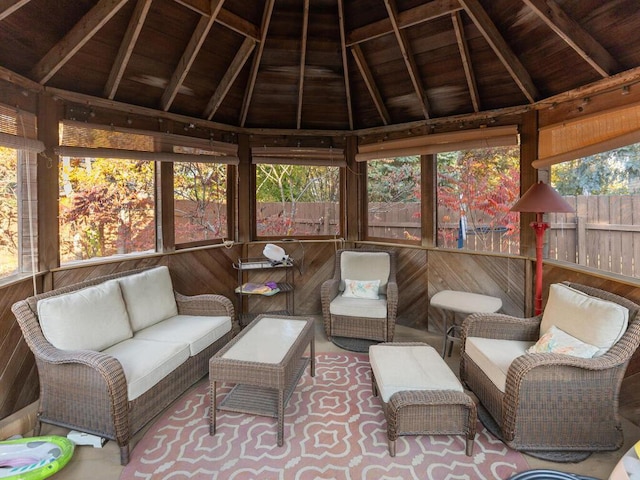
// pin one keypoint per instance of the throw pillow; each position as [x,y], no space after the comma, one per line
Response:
[361,289]
[590,319]
[557,341]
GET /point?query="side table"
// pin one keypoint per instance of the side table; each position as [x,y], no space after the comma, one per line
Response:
[455,301]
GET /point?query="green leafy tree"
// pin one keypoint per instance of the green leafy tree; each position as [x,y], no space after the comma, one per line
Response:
[615,172]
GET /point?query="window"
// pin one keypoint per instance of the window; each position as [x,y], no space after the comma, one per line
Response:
[107,205]
[9,216]
[200,197]
[297,200]
[393,198]
[604,231]
[476,188]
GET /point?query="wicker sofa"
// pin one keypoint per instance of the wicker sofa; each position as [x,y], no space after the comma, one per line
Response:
[114,351]
[550,392]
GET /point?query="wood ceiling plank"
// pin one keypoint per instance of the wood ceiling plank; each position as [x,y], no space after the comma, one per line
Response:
[575,36]
[7,7]
[370,83]
[264,29]
[186,61]
[407,56]
[75,39]
[501,48]
[126,47]
[458,27]
[203,7]
[238,24]
[407,18]
[303,58]
[345,62]
[230,75]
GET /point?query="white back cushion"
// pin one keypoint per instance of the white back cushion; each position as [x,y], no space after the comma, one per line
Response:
[365,266]
[589,319]
[93,318]
[149,297]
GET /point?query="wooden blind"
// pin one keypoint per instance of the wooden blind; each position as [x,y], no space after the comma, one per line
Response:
[18,130]
[440,142]
[586,136]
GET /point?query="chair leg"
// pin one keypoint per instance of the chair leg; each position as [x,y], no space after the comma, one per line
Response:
[469,450]
[392,448]
[124,454]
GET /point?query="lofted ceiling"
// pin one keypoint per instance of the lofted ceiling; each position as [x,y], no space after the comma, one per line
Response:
[320,64]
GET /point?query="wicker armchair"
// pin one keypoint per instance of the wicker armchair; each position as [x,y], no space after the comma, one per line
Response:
[551,401]
[371,319]
[87,390]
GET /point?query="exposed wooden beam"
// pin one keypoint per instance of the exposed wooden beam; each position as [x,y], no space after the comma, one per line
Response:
[370,83]
[74,40]
[189,55]
[303,58]
[264,29]
[407,18]
[575,36]
[501,48]
[7,7]
[345,62]
[458,27]
[230,75]
[203,7]
[407,56]
[238,24]
[126,47]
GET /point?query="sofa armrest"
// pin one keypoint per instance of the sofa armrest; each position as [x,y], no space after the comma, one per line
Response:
[207,304]
[501,326]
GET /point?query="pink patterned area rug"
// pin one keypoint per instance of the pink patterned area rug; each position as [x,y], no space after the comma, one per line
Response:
[334,429]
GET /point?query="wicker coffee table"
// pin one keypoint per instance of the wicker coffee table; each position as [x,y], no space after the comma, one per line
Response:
[265,362]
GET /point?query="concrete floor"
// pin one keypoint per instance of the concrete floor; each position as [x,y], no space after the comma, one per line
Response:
[104,463]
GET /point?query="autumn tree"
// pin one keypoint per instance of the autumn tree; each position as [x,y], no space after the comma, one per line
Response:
[8,211]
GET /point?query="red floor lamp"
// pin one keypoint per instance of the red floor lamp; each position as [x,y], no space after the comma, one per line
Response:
[541,199]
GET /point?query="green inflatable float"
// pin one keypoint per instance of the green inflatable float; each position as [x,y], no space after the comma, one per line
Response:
[34,458]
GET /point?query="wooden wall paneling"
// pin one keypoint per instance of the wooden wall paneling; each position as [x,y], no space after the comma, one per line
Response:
[19,385]
[493,275]
[413,279]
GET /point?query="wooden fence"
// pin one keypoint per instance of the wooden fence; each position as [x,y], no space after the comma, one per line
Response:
[603,233]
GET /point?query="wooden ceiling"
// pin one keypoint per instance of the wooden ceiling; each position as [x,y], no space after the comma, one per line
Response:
[320,64]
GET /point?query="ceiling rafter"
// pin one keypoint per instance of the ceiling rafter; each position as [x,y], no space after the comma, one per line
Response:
[407,56]
[501,49]
[203,7]
[407,18]
[463,47]
[264,29]
[243,54]
[126,47]
[238,24]
[345,62]
[189,55]
[369,81]
[74,40]
[575,36]
[7,7]
[303,59]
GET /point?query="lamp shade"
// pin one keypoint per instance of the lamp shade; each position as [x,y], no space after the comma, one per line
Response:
[541,198]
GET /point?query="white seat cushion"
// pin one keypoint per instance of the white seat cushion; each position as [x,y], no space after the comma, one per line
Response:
[198,332]
[146,362]
[592,320]
[359,307]
[92,318]
[494,356]
[149,297]
[399,368]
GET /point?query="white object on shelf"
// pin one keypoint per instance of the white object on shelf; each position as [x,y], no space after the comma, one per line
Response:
[275,253]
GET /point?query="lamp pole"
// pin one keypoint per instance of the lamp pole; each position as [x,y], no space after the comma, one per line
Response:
[539,226]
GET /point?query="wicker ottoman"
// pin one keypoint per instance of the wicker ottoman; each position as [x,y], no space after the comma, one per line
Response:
[420,394]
